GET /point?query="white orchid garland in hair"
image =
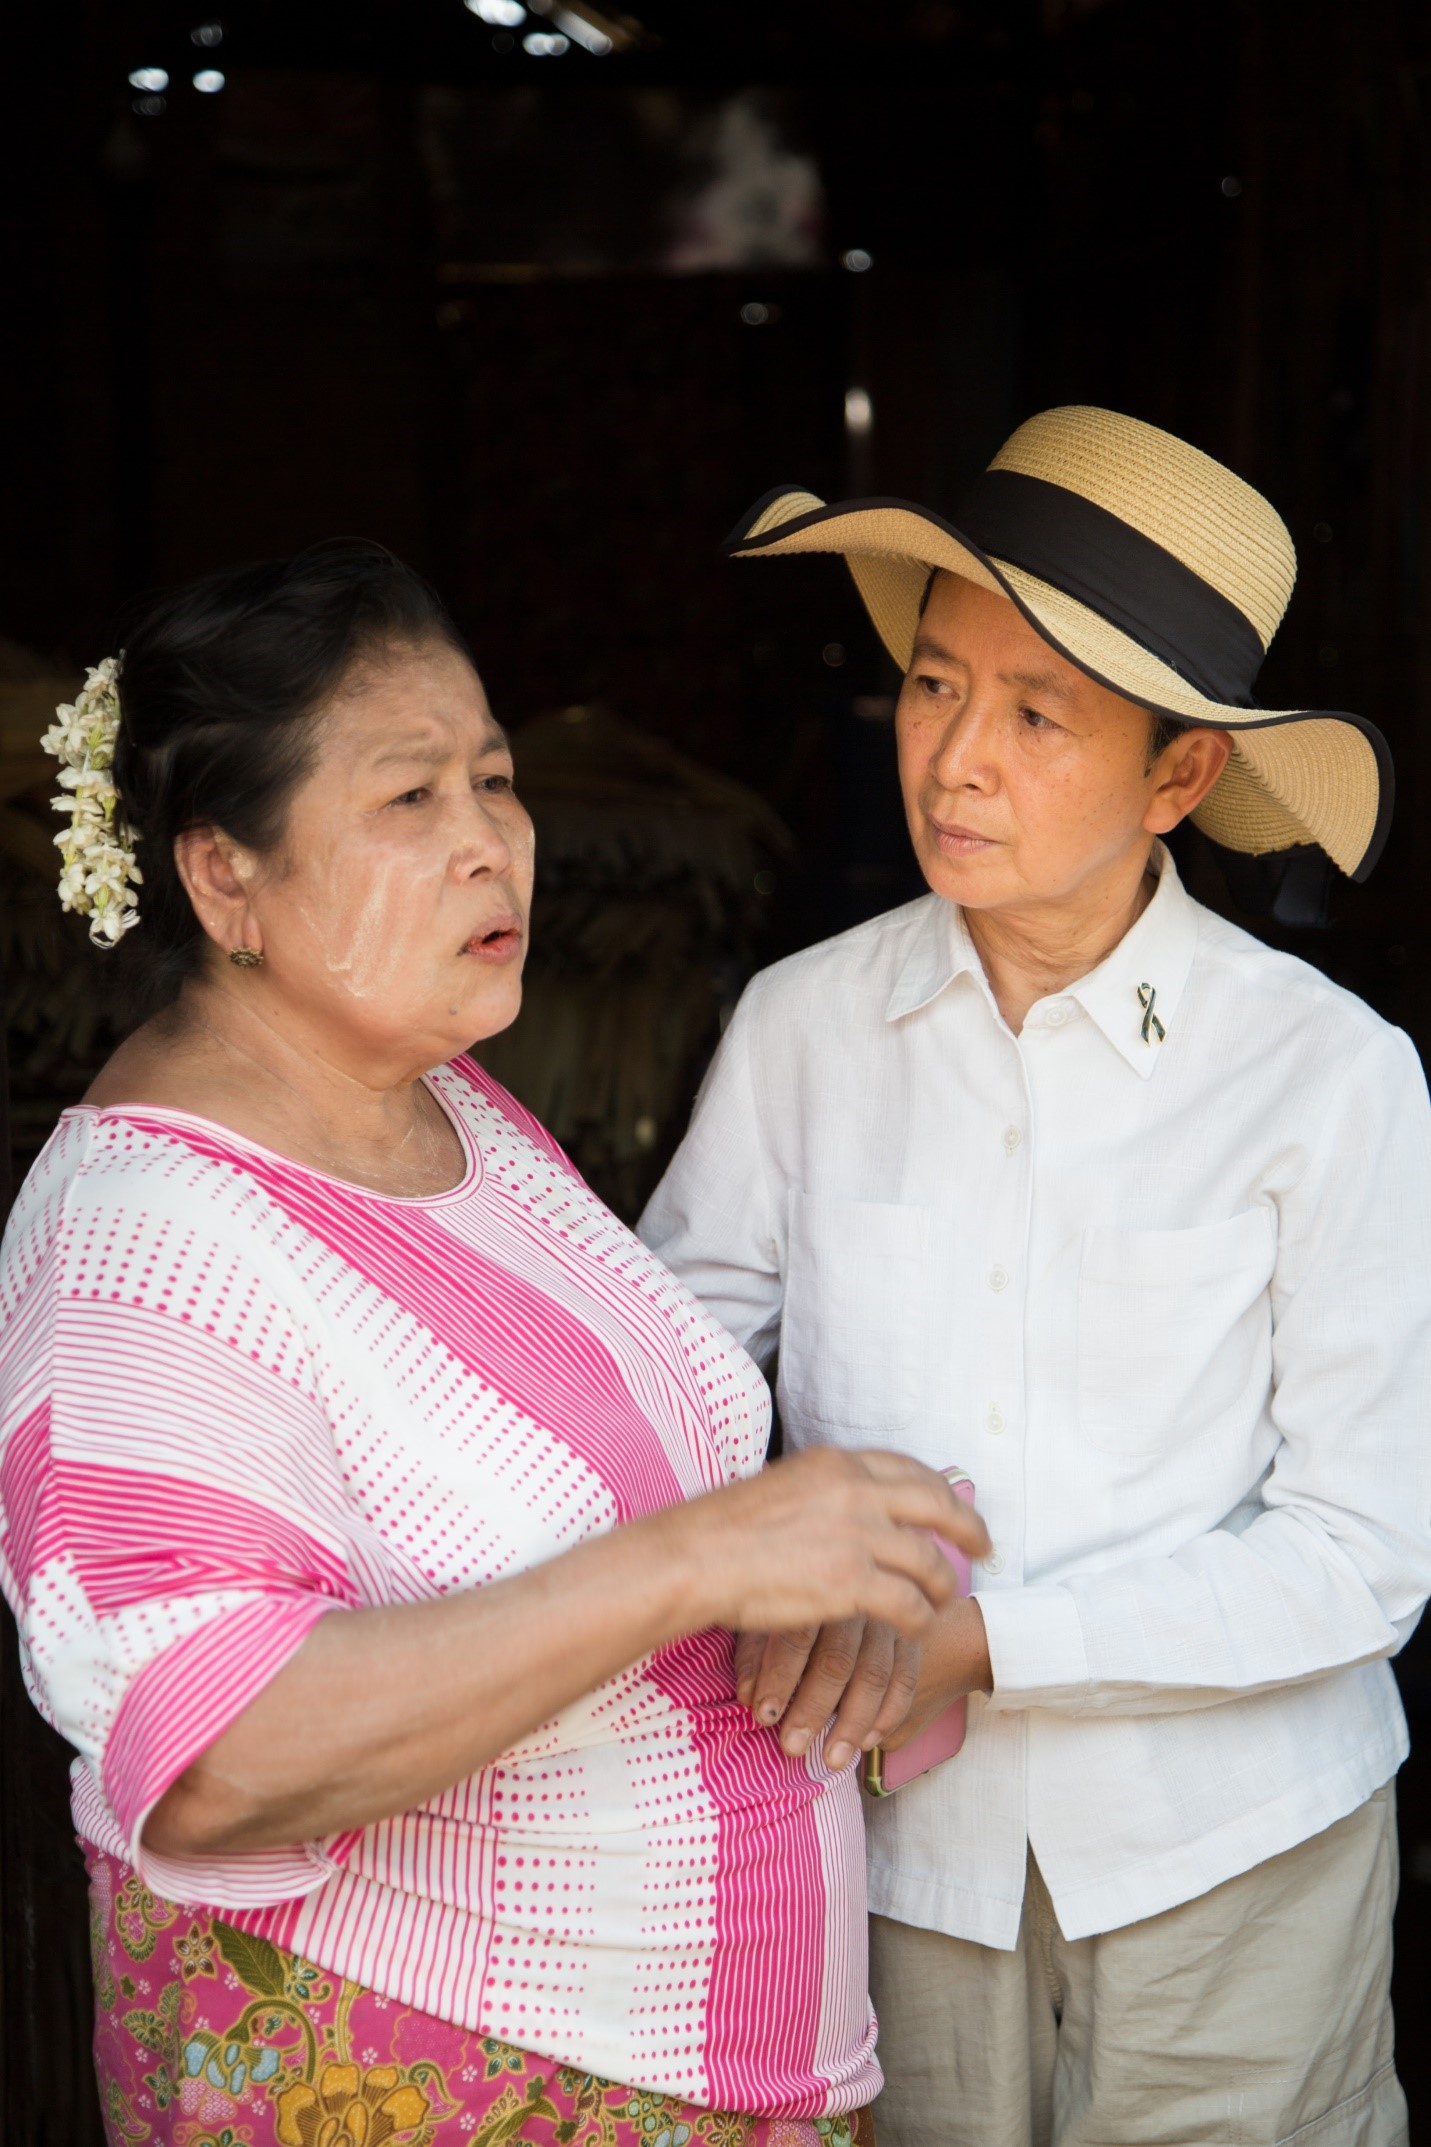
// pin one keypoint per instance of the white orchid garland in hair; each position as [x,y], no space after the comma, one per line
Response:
[99,874]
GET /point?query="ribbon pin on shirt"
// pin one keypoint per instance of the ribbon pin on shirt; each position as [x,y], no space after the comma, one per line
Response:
[1151,1025]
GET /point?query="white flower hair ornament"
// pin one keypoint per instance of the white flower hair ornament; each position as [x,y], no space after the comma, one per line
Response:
[99,874]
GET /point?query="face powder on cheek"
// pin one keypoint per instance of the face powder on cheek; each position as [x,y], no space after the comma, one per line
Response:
[365,924]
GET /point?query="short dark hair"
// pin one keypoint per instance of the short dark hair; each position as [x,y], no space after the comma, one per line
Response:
[219,684]
[1162,732]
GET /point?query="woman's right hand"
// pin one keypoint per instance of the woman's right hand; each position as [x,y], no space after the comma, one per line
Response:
[385,1706]
[825,1535]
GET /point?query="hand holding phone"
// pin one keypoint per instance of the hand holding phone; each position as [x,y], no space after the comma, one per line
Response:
[943,1737]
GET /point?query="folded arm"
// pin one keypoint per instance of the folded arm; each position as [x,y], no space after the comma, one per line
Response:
[1335,1568]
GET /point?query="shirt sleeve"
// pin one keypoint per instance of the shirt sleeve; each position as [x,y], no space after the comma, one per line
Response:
[716,1219]
[171,1521]
[1335,1566]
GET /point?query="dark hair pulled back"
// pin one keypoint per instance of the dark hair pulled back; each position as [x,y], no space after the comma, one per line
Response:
[219,686]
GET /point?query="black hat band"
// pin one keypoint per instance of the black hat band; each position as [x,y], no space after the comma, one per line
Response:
[1091,555]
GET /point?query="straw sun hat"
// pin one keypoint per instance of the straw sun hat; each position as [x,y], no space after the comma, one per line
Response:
[1157,572]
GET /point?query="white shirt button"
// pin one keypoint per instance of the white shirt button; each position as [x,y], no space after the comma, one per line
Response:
[993,1421]
[998,1278]
[1012,1137]
[994,1562]
[1058,1014]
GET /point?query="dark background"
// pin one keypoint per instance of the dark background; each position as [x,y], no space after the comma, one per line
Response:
[396,280]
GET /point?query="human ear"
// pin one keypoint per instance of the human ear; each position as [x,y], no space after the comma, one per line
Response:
[1185,773]
[218,876]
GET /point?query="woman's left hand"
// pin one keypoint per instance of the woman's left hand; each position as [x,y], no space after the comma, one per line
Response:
[880,1688]
[954,1663]
[859,1670]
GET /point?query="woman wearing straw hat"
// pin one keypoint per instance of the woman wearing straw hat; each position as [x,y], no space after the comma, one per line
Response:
[1057,1177]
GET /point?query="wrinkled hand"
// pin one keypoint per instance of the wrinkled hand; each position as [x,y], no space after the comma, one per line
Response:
[954,1661]
[859,1670]
[880,1688]
[821,1538]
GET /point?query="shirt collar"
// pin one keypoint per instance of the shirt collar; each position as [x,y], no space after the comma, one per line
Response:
[1151,962]
[940,951]
[1134,993]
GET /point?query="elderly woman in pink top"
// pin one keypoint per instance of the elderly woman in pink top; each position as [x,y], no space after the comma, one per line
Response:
[377,1511]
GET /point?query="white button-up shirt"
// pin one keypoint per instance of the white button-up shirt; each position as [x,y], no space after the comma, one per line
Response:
[1157,1273]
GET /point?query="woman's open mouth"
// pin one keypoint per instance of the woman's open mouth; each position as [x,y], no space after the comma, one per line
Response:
[500,942]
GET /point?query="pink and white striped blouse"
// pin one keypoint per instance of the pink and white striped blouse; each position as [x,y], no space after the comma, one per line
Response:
[238,1396]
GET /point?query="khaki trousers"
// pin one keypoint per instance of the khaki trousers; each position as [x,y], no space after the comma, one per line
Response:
[1257,2015]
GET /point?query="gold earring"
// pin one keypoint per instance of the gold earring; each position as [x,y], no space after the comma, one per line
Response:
[245,957]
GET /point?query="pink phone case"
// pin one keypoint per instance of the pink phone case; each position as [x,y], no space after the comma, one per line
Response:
[888,1771]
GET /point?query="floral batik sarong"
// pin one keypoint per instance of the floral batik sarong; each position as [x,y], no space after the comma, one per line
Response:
[207,2037]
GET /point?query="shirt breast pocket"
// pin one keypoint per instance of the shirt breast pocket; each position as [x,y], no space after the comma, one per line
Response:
[852,1332]
[1174,1331]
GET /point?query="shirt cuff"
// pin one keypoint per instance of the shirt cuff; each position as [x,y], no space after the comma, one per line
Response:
[179,1704]
[1036,1648]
